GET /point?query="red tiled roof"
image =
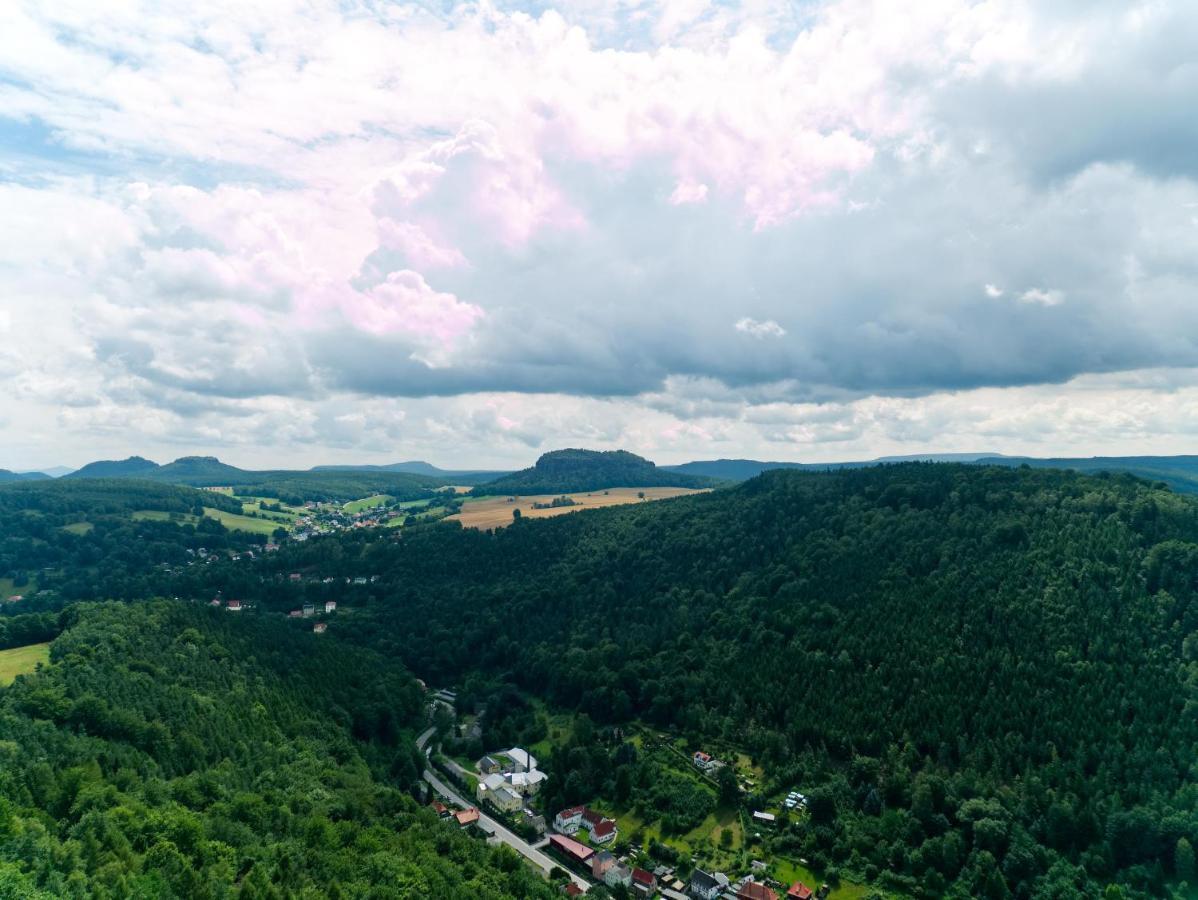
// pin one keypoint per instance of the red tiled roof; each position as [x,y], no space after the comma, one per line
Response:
[799,891]
[604,828]
[580,852]
[643,877]
[573,890]
[467,816]
[571,811]
[755,891]
[591,816]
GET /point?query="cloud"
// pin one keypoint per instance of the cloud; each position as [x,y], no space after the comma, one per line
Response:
[688,192]
[231,214]
[768,328]
[1042,297]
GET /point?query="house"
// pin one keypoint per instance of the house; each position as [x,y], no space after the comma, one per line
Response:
[704,886]
[569,820]
[601,829]
[758,865]
[309,610]
[488,765]
[294,614]
[233,606]
[573,890]
[271,548]
[522,759]
[320,628]
[644,884]
[764,818]
[440,809]
[534,821]
[604,832]
[799,891]
[570,848]
[755,890]
[505,799]
[330,606]
[600,863]
[527,783]
[467,817]
[618,875]
[702,760]
[294,576]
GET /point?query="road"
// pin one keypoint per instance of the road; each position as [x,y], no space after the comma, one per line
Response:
[542,861]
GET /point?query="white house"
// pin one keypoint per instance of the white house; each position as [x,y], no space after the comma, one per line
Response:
[330,606]
[569,820]
[704,886]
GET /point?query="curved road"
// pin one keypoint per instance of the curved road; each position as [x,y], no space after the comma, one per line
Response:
[525,849]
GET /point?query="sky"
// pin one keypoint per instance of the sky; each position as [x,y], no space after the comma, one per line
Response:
[291,233]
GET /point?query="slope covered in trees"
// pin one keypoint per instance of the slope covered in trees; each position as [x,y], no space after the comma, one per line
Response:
[170,751]
[283,484]
[990,673]
[565,471]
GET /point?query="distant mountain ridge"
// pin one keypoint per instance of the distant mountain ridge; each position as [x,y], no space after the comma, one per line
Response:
[1179,472]
[572,470]
[115,468]
[420,467]
[289,485]
[7,476]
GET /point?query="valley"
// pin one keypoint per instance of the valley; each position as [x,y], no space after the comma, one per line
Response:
[707,671]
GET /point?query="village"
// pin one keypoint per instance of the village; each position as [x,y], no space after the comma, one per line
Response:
[586,844]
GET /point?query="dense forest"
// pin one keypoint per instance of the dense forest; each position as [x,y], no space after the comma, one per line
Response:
[567,471]
[170,751]
[986,675]
[990,673]
[79,540]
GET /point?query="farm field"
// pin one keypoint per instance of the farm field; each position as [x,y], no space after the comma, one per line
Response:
[496,512]
[243,523]
[355,506]
[21,660]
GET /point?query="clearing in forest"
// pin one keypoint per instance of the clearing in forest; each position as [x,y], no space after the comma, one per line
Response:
[21,661]
[496,512]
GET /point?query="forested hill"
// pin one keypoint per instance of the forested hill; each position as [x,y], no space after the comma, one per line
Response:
[9,476]
[566,471]
[170,751]
[290,486]
[990,673]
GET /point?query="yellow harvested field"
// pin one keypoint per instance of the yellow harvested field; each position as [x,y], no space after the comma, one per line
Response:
[496,512]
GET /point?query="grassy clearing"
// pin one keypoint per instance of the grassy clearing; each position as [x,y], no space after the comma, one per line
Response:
[235,522]
[9,588]
[21,661]
[287,516]
[79,527]
[357,506]
[158,515]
